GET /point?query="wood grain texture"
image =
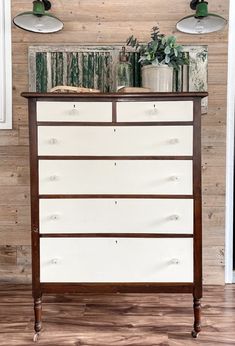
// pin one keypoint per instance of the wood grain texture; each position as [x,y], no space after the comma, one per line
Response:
[111,22]
[117,319]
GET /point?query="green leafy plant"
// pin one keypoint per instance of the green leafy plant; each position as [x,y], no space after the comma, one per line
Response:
[160,50]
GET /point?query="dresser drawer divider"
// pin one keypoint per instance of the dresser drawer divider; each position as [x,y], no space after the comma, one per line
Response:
[113,123]
[114,112]
[114,235]
[114,157]
[114,196]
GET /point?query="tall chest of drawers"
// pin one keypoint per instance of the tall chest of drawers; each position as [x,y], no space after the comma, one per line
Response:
[116,194]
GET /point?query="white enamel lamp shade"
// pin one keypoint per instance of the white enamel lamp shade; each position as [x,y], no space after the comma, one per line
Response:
[202,22]
[38,20]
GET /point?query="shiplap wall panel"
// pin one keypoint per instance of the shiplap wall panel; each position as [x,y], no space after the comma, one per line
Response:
[111,22]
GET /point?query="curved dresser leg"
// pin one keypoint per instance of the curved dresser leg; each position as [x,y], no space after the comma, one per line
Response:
[197,317]
[38,317]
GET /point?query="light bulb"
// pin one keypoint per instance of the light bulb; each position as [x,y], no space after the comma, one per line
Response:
[39,24]
[199,26]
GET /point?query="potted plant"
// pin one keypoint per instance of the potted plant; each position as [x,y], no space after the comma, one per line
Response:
[159,57]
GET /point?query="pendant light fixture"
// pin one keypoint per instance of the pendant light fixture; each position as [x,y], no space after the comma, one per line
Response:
[39,20]
[202,22]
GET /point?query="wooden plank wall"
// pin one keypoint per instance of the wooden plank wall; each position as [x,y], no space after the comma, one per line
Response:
[109,22]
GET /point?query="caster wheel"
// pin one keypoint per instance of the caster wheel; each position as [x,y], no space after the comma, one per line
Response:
[194,334]
[35,337]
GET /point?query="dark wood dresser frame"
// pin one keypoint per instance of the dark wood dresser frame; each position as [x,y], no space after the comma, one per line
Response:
[194,288]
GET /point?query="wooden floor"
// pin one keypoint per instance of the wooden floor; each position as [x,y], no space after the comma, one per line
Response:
[122,319]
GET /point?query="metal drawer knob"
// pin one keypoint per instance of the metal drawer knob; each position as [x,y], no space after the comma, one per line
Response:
[54,217]
[174,178]
[53,178]
[174,140]
[175,261]
[53,141]
[174,217]
[54,260]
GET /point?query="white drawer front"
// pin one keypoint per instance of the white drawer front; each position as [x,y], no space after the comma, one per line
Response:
[74,111]
[116,260]
[155,111]
[122,140]
[115,177]
[116,216]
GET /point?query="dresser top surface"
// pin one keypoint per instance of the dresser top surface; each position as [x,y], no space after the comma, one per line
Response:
[118,96]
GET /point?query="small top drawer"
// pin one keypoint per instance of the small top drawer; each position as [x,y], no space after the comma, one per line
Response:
[74,111]
[155,111]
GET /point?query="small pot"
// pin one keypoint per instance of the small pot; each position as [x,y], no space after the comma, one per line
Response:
[157,78]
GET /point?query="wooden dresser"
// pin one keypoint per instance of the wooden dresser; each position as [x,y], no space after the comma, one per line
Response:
[116,194]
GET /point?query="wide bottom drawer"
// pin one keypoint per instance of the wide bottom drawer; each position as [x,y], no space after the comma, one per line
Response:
[116,260]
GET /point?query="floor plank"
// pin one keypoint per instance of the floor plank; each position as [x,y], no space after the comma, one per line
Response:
[117,319]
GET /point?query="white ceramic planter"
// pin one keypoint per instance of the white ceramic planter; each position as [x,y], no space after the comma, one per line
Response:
[157,78]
